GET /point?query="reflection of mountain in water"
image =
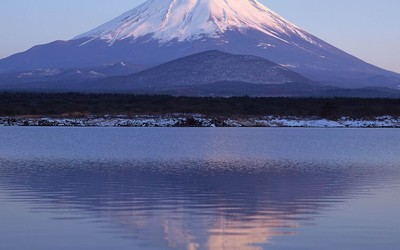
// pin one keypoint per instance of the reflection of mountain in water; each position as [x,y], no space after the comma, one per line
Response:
[191,205]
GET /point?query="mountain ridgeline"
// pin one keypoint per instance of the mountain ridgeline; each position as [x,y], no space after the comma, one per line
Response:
[204,68]
[188,47]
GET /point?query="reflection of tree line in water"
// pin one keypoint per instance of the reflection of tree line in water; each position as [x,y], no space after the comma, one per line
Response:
[191,205]
[81,105]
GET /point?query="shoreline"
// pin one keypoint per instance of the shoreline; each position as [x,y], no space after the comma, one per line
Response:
[196,120]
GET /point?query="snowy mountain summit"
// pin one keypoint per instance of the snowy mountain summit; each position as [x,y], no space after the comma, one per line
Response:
[159,31]
[187,20]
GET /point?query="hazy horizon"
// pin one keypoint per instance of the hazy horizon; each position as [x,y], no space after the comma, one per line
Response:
[369,33]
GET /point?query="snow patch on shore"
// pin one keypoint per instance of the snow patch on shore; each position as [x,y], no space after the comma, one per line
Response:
[196,120]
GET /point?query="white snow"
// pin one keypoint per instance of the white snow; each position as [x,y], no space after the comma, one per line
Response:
[186,20]
[265,45]
[288,65]
[40,72]
[95,73]
[178,120]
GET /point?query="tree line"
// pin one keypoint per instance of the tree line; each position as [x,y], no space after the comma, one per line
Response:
[76,104]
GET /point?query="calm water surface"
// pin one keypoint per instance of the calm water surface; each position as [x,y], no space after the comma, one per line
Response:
[192,189]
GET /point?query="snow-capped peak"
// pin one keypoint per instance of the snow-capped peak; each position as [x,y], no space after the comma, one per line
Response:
[185,20]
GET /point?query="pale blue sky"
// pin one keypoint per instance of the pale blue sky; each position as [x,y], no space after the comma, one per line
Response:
[369,29]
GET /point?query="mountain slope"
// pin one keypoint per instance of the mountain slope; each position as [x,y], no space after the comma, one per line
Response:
[207,67]
[159,31]
[210,73]
[187,20]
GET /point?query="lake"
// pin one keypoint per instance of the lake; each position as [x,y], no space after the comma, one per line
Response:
[199,188]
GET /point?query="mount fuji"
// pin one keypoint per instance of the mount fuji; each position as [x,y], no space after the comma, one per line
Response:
[158,31]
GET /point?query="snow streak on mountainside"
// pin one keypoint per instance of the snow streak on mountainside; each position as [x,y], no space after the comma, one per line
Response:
[187,20]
